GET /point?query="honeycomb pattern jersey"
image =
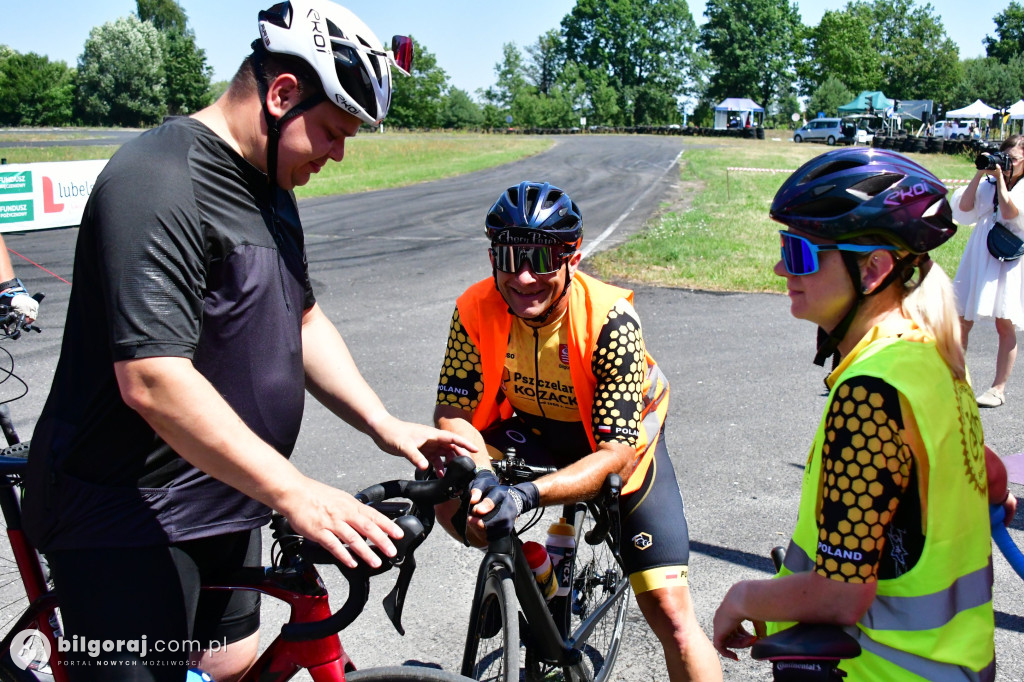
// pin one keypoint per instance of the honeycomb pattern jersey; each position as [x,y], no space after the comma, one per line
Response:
[537,381]
[869,526]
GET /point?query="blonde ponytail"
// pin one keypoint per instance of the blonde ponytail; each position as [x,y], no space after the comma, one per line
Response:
[930,303]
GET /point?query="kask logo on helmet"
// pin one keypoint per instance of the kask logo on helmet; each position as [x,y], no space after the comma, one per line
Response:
[901,195]
[263,32]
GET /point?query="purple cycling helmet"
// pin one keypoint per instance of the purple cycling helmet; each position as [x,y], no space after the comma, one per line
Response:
[537,213]
[861,192]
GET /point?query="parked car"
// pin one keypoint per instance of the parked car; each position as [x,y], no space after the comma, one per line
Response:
[827,130]
[953,130]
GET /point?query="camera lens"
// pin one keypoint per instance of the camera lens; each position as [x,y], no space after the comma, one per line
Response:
[984,162]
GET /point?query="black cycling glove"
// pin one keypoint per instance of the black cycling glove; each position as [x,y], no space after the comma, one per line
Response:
[509,504]
[484,480]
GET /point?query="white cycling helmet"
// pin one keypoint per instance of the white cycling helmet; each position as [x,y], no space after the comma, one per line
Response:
[353,66]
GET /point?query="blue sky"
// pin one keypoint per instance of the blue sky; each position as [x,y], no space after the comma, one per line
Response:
[466,36]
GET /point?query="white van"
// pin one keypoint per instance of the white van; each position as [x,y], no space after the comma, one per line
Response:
[952,130]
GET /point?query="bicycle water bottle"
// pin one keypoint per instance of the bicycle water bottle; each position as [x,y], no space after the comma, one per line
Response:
[540,564]
[561,547]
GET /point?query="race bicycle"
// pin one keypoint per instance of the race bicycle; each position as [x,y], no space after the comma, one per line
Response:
[514,634]
[309,641]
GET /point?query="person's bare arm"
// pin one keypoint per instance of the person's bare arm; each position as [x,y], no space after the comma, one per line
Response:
[801,597]
[189,414]
[333,379]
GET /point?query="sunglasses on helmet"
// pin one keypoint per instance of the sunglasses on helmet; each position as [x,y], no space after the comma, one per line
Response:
[800,256]
[543,260]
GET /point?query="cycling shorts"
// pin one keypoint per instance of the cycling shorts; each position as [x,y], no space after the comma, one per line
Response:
[654,544]
[127,594]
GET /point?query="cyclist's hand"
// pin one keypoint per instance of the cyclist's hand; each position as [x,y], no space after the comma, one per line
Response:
[422,445]
[729,632]
[15,296]
[335,519]
[481,485]
[1009,509]
[502,505]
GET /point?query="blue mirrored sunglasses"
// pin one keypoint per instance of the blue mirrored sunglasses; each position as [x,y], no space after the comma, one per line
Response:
[800,256]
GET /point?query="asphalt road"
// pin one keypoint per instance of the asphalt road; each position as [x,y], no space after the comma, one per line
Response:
[387,267]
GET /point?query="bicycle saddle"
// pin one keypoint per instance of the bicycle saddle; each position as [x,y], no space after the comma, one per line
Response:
[806,641]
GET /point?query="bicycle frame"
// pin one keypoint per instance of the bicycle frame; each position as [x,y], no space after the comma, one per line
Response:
[308,641]
[549,639]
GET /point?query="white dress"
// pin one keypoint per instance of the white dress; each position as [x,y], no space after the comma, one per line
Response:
[984,286]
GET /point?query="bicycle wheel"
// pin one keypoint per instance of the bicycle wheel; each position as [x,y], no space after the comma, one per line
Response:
[492,647]
[401,674]
[600,598]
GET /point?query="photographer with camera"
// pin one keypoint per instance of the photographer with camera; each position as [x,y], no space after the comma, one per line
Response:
[990,279]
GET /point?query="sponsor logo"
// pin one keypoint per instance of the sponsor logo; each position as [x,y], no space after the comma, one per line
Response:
[901,195]
[16,211]
[642,541]
[263,32]
[525,237]
[16,183]
[839,553]
[563,353]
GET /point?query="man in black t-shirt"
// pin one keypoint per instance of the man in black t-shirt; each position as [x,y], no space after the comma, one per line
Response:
[191,337]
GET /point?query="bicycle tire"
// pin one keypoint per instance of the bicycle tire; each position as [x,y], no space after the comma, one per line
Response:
[598,583]
[400,674]
[12,673]
[492,652]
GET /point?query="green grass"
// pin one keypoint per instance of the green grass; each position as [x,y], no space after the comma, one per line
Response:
[397,159]
[371,162]
[723,239]
[44,154]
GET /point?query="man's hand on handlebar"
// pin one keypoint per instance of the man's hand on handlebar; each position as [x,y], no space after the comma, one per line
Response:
[422,445]
[14,296]
[496,514]
[334,519]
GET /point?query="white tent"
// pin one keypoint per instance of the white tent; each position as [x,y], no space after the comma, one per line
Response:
[1016,111]
[977,110]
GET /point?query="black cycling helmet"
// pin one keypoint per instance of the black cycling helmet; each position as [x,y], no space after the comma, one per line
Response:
[535,213]
[859,192]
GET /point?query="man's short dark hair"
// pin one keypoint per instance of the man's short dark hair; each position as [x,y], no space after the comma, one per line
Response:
[243,83]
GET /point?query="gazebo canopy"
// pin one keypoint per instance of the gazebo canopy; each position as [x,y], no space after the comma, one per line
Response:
[874,98]
[977,110]
[739,104]
[1016,111]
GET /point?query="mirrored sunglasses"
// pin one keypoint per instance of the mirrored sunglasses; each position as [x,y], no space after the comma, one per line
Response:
[800,256]
[543,260]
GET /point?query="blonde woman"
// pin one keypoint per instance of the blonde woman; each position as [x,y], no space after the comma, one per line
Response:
[891,538]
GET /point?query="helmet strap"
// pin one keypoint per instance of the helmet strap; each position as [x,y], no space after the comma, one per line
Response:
[274,124]
[828,342]
[543,317]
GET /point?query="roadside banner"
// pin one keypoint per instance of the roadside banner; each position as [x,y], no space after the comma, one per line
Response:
[37,196]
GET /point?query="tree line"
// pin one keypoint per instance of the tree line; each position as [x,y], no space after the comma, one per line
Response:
[621,63]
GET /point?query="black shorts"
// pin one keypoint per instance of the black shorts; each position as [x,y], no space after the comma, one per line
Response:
[152,595]
[654,532]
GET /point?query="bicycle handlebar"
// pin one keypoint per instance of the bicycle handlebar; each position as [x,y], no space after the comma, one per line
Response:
[1003,540]
[12,323]
[415,526]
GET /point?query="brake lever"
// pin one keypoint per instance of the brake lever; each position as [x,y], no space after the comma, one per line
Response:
[394,602]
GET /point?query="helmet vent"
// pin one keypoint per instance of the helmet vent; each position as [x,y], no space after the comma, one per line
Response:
[513,196]
[836,166]
[826,207]
[532,194]
[334,31]
[871,187]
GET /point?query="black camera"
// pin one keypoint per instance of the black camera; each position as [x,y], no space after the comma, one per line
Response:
[1000,160]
